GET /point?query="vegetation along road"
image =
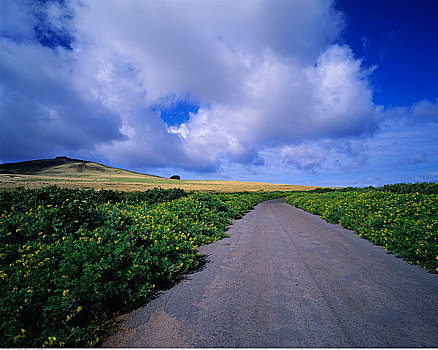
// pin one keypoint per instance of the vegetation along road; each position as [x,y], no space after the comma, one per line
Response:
[286,278]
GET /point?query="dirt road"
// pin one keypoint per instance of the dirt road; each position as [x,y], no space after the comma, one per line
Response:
[286,278]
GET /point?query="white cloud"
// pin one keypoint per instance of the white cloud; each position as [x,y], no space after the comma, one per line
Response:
[303,156]
[272,84]
[42,111]
[424,112]
[251,68]
[286,104]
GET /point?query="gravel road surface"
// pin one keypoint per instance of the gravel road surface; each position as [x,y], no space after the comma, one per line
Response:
[286,278]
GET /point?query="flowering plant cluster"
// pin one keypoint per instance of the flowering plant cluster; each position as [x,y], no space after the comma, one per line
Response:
[405,224]
[72,259]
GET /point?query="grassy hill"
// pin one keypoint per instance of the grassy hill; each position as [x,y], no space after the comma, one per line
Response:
[76,173]
[66,167]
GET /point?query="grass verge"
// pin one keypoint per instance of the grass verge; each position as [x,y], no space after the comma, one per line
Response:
[396,217]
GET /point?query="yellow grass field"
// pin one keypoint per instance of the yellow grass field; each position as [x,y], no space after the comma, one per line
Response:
[81,174]
[11,181]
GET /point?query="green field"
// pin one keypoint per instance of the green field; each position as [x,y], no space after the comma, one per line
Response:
[70,260]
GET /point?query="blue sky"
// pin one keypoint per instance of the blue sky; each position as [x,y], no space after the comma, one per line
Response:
[400,37]
[314,92]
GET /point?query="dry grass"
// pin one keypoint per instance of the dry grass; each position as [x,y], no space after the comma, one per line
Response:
[138,183]
[73,173]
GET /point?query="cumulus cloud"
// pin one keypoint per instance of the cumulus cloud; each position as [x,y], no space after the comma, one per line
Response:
[341,154]
[287,104]
[257,86]
[86,76]
[42,109]
[303,157]
[422,112]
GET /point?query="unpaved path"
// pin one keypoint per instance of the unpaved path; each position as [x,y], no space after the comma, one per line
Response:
[286,278]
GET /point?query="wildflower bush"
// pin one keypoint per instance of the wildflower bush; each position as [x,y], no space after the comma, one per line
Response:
[72,259]
[405,224]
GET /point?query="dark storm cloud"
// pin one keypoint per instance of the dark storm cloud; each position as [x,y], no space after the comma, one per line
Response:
[42,111]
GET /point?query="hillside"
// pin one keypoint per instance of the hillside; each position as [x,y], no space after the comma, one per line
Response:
[76,173]
[65,167]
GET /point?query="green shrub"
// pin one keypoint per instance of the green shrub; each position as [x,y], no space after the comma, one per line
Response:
[405,224]
[72,259]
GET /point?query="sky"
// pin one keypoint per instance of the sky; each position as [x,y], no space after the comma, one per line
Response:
[306,92]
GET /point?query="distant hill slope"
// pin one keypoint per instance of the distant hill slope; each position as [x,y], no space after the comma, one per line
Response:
[66,167]
[76,173]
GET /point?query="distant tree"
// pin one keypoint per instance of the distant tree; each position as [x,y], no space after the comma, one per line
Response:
[176,177]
